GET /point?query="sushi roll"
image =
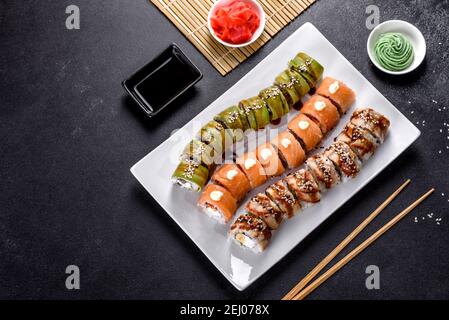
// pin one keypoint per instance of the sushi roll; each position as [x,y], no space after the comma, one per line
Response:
[247,114]
[251,232]
[323,111]
[260,110]
[218,203]
[344,159]
[290,150]
[275,101]
[313,66]
[337,92]
[299,83]
[359,140]
[308,68]
[215,135]
[233,179]
[231,119]
[253,169]
[199,152]
[283,198]
[303,185]
[372,121]
[269,159]
[284,82]
[324,171]
[190,175]
[306,131]
[261,205]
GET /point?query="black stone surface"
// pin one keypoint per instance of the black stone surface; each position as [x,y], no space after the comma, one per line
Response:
[69,135]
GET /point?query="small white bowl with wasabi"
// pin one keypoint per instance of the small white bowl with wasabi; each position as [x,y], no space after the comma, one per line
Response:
[396,47]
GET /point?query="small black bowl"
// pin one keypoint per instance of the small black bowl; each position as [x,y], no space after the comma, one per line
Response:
[162,80]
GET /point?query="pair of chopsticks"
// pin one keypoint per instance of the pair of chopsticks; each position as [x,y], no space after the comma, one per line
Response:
[300,291]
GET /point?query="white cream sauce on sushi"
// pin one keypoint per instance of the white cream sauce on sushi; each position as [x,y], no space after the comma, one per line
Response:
[216,195]
[334,86]
[286,142]
[266,153]
[249,163]
[231,174]
[303,125]
[320,105]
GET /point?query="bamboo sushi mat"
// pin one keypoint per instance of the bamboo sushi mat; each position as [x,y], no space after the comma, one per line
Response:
[190,17]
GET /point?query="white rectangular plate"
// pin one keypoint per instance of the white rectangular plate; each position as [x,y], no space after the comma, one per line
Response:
[242,267]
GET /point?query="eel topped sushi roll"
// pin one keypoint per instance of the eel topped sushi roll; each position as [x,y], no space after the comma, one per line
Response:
[190,175]
[324,171]
[306,131]
[218,203]
[344,159]
[323,111]
[261,205]
[372,121]
[290,150]
[251,232]
[275,101]
[253,169]
[231,177]
[361,141]
[284,199]
[231,119]
[303,185]
[337,92]
[270,160]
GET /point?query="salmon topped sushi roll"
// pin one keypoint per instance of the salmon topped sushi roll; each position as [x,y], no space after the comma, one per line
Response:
[231,177]
[323,111]
[262,206]
[251,232]
[290,150]
[253,169]
[361,141]
[324,171]
[303,185]
[372,121]
[344,158]
[218,203]
[339,93]
[270,160]
[284,199]
[306,131]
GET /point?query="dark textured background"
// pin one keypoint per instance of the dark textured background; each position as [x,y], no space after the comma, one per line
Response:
[69,135]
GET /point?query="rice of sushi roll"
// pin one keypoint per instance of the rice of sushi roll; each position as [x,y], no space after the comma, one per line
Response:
[231,177]
[290,150]
[372,121]
[303,185]
[323,111]
[361,141]
[344,159]
[324,171]
[190,175]
[337,92]
[306,131]
[284,199]
[262,206]
[251,232]
[218,203]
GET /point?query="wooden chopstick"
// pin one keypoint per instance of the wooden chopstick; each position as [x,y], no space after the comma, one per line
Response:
[304,293]
[343,244]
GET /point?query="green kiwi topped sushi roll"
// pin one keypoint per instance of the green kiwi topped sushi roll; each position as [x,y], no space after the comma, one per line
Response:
[275,101]
[231,118]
